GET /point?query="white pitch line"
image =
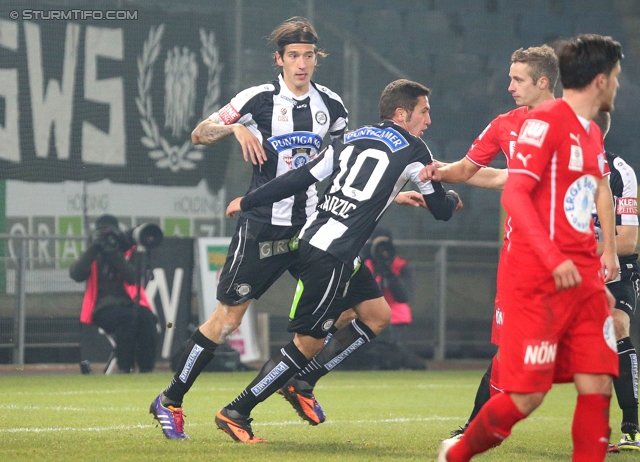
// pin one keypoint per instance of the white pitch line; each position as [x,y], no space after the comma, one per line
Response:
[262,424]
[13,407]
[399,420]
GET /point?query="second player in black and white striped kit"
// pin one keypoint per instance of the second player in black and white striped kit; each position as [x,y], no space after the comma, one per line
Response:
[624,189]
[367,168]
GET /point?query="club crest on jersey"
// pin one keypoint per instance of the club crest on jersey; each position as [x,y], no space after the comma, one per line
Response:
[321,117]
[299,159]
[576,159]
[533,132]
[578,203]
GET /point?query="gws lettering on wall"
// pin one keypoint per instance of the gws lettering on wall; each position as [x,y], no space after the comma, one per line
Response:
[92,100]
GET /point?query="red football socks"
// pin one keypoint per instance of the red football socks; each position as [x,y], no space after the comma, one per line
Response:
[492,425]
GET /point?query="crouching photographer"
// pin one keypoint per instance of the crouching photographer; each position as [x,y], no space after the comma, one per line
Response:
[114,298]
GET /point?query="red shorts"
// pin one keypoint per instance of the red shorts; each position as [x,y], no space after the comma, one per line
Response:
[498,308]
[548,336]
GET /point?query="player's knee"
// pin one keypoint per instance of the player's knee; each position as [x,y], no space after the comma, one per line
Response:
[621,324]
[528,402]
[229,316]
[375,313]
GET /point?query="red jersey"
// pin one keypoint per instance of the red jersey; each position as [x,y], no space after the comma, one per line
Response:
[552,220]
[499,136]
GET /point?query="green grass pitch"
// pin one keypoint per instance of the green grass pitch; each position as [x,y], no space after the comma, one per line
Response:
[372,415]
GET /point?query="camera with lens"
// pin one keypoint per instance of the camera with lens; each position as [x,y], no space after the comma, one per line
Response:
[108,240]
[145,236]
[108,236]
[383,251]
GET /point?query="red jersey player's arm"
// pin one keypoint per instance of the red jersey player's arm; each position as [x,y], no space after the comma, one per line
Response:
[489,178]
[455,172]
[517,201]
[604,209]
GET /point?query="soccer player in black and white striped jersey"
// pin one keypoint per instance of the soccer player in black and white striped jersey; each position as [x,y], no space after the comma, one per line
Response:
[624,188]
[368,167]
[280,126]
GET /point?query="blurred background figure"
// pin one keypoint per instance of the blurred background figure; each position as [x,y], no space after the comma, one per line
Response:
[114,298]
[393,275]
[394,278]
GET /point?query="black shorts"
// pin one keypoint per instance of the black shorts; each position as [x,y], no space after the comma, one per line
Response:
[626,295]
[326,288]
[362,286]
[259,254]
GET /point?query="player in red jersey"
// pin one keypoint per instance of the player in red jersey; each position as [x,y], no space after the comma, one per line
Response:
[533,75]
[558,327]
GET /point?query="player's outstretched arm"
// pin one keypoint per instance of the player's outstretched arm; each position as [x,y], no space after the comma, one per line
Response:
[455,172]
[489,178]
[209,133]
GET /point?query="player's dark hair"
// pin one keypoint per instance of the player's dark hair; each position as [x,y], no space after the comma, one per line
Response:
[295,30]
[402,94]
[542,62]
[582,58]
[603,121]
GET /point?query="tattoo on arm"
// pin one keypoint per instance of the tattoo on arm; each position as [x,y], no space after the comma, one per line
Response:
[211,133]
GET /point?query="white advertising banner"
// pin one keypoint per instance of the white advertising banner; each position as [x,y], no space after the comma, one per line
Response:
[212,252]
[70,208]
[59,208]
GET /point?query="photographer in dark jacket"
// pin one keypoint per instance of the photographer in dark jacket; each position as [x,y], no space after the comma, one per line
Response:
[114,299]
[393,277]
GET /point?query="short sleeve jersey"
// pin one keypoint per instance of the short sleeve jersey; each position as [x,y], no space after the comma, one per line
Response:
[291,129]
[499,136]
[567,161]
[368,167]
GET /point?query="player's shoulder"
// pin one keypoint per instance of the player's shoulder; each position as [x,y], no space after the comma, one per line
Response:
[550,111]
[265,89]
[618,163]
[516,114]
[328,92]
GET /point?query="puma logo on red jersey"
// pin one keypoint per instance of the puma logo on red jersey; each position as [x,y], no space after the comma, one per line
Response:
[524,159]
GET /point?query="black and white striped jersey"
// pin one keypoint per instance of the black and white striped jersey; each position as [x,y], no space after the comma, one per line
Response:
[368,167]
[624,189]
[291,129]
